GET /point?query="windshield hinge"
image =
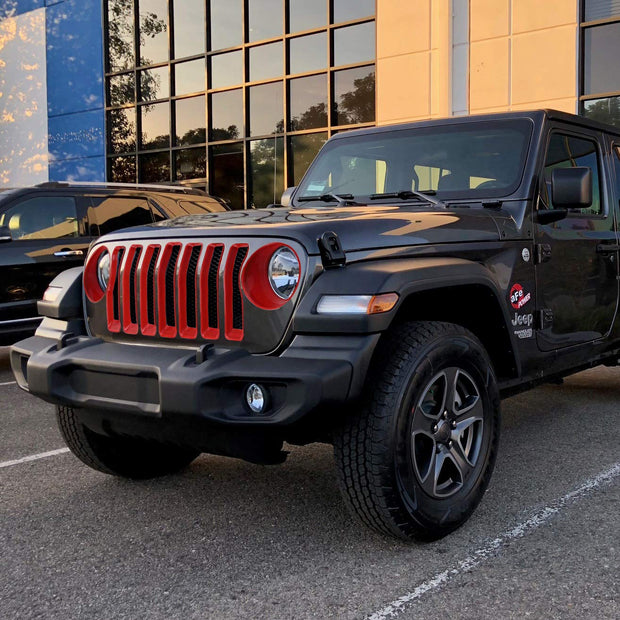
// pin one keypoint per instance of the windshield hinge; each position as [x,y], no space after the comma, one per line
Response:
[332,254]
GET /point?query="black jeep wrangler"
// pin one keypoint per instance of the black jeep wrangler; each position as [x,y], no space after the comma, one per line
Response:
[418,274]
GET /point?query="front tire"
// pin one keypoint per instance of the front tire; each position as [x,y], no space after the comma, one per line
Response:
[127,457]
[416,459]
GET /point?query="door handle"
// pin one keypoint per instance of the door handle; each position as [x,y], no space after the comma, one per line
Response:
[66,253]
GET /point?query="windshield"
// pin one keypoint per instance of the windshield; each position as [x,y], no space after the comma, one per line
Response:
[466,160]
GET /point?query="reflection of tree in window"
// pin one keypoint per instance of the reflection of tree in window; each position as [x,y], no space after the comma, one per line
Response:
[219,133]
[604,110]
[357,105]
[267,164]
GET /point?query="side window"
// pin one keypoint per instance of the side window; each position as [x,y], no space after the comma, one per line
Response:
[569,152]
[114,212]
[44,217]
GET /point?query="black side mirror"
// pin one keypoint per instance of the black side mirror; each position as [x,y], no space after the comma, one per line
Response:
[5,234]
[571,188]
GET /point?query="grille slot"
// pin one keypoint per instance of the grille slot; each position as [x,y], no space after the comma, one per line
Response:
[133,310]
[169,290]
[213,276]
[190,286]
[116,289]
[150,287]
[237,301]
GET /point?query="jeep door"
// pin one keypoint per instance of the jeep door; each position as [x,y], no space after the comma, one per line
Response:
[47,237]
[576,257]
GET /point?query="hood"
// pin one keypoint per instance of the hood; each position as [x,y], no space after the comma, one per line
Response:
[358,227]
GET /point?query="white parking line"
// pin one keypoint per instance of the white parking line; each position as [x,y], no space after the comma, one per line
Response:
[393,609]
[8,383]
[33,457]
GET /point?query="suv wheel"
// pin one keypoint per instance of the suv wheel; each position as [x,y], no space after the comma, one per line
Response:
[128,457]
[415,461]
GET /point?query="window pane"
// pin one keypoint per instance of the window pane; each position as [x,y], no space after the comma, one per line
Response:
[227,173]
[226,23]
[605,110]
[354,44]
[153,31]
[122,130]
[121,89]
[189,28]
[46,217]
[304,15]
[265,19]
[267,171]
[601,9]
[155,126]
[189,77]
[266,109]
[122,169]
[155,168]
[154,84]
[354,96]
[308,102]
[344,10]
[303,151]
[191,164]
[114,213]
[190,121]
[226,69]
[226,115]
[120,34]
[601,69]
[568,152]
[266,61]
[308,53]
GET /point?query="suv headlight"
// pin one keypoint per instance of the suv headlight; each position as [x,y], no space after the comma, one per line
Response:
[284,272]
[103,270]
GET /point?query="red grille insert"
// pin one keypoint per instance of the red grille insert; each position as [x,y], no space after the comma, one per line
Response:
[173,290]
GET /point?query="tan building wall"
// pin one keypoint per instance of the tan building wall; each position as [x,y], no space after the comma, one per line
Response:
[522,54]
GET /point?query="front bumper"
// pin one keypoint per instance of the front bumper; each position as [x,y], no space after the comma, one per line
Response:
[156,382]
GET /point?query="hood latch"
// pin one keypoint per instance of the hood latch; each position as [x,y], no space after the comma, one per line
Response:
[332,254]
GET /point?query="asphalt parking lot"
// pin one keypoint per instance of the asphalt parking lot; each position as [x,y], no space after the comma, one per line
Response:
[226,539]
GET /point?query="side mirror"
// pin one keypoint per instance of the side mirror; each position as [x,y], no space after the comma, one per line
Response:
[571,188]
[5,234]
[287,196]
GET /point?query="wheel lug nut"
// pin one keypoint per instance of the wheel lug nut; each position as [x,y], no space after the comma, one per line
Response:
[445,415]
[453,424]
[434,429]
[450,444]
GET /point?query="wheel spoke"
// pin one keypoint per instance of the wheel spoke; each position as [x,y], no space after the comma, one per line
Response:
[449,402]
[457,455]
[472,415]
[429,483]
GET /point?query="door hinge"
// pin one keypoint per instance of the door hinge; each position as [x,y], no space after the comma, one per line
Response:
[543,253]
[545,318]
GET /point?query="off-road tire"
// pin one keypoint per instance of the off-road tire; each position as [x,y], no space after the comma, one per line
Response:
[377,468]
[127,457]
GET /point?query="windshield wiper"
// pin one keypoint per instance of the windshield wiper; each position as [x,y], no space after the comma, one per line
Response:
[408,194]
[343,199]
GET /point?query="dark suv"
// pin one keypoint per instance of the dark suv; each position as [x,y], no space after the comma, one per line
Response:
[47,228]
[418,274]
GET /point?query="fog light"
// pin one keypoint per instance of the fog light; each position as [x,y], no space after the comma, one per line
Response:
[255,397]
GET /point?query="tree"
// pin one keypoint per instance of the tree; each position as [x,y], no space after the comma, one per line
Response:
[357,105]
[604,110]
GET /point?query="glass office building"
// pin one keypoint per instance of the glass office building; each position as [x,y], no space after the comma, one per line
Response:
[237,96]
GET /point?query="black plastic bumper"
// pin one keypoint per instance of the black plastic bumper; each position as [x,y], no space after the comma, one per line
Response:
[154,382]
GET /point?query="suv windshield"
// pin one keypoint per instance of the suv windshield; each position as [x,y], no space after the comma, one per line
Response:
[468,160]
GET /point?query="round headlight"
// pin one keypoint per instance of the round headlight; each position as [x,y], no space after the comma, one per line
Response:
[284,272]
[103,270]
